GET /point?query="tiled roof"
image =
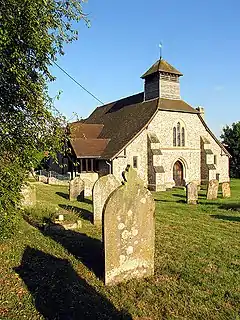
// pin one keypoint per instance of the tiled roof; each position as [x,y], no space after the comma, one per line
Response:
[153,137]
[122,120]
[107,131]
[159,169]
[208,151]
[175,105]
[205,140]
[211,166]
[156,152]
[161,66]
[88,148]
[85,131]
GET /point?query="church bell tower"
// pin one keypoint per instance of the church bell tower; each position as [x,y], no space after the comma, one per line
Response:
[161,81]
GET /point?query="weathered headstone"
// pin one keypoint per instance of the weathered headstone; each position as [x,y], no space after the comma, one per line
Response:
[88,187]
[192,193]
[43,179]
[129,231]
[102,188]
[226,191]
[58,182]
[76,189]
[212,191]
[28,193]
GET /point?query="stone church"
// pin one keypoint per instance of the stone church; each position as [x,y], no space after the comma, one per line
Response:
[164,138]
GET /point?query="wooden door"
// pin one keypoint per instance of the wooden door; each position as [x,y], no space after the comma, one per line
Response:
[178,173]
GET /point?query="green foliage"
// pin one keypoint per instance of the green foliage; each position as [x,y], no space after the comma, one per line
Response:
[231,137]
[32,33]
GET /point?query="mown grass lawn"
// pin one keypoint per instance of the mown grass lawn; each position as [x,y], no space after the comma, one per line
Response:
[56,276]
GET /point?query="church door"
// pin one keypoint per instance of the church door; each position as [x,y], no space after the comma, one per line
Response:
[178,173]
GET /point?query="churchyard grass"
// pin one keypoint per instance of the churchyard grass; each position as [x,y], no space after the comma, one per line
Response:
[197,263]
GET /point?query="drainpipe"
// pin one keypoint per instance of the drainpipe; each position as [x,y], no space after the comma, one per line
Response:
[110,166]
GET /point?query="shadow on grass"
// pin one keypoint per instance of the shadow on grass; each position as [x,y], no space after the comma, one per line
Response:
[229,218]
[89,201]
[86,249]
[63,195]
[58,291]
[230,206]
[179,195]
[83,213]
[208,203]
[202,196]
[170,201]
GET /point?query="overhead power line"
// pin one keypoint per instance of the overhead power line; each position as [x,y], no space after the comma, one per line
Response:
[79,84]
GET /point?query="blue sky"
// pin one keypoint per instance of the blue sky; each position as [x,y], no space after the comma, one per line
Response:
[200,38]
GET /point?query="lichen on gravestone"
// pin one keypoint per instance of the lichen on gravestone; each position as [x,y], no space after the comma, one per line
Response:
[28,192]
[129,231]
[226,191]
[212,191]
[192,193]
[76,189]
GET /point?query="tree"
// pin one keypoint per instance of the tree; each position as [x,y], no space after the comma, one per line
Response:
[231,138]
[32,34]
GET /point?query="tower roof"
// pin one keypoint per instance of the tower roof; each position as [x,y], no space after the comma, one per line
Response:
[161,66]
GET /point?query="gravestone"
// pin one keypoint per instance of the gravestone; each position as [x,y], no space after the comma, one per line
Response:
[76,189]
[226,191]
[88,187]
[103,187]
[57,182]
[129,231]
[43,179]
[28,192]
[212,191]
[192,193]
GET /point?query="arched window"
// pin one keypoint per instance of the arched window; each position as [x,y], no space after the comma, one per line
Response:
[174,137]
[178,134]
[179,138]
[183,137]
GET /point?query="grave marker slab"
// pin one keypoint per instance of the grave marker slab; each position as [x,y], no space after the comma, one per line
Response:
[102,189]
[28,193]
[57,182]
[43,179]
[192,193]
[76,189]
[226,191]
[212,191]
[88,187]
[129,231]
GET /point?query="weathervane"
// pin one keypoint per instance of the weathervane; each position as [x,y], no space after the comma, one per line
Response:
[160,48]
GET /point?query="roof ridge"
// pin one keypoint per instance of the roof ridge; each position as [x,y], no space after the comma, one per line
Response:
[127,97]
